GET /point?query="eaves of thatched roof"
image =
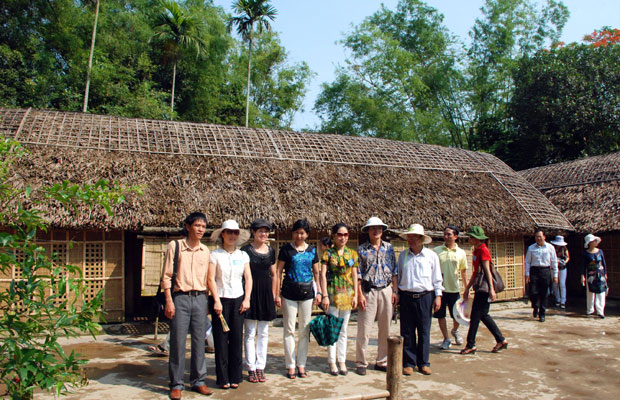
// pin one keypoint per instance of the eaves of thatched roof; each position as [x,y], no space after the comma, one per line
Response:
[246,173]
[587,190]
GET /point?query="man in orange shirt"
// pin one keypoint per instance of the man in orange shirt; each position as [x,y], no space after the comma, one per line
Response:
[186,305]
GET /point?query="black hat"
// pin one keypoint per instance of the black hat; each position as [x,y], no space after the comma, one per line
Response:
[260,223]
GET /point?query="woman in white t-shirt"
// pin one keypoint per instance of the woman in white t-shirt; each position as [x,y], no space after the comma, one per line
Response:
[230,283]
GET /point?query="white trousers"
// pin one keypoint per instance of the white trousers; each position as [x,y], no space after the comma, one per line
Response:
[290,308]
[338,350]
[256,337]
[559,289]
[595,300]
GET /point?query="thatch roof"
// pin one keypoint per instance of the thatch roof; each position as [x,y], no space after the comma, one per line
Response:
[246,173]
[587,191]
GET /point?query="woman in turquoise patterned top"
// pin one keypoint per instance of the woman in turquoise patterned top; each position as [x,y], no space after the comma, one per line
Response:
[339,276]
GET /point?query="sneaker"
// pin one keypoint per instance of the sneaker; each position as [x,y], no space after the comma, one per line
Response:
[563,306]
[557,304]
[445,345]
[458,339]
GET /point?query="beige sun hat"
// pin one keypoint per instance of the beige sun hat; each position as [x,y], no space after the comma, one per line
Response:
[415,229]
[232,225]
[373,221]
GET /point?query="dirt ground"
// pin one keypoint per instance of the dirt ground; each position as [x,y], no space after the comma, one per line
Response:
[569,356]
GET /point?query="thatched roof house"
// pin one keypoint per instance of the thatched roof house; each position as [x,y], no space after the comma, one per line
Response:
[587,191]
[241,173]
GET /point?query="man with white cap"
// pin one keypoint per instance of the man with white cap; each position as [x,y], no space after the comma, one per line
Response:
[377,285]
[419,294]
[540,262]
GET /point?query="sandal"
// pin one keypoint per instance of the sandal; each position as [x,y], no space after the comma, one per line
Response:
[500,346]
[158,350]
[260,374]
[468,350]
[252,377]
[333,370]
[225,386]
[290,375]
[234,385]
[302,374]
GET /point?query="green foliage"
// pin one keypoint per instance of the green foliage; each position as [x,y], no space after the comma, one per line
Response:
[401,80]
[44,47]
[35,310]
[565,106]
[507,31]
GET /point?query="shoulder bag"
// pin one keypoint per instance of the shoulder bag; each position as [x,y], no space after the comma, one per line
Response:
[482,285]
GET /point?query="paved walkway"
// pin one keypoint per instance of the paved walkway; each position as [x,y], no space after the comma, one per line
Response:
[569,356]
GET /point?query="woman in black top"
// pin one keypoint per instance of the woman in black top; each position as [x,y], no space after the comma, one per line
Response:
[262,299]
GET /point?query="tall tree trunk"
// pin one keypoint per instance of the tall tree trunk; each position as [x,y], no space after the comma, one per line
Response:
[90,59]
[174,80]
[247,94]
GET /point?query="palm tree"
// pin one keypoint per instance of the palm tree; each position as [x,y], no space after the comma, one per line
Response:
[251,12]
[178,30]
[90,58]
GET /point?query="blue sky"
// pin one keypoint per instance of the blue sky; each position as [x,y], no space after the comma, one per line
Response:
[310,29]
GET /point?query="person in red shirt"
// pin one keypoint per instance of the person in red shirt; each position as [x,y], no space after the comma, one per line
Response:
[481,262]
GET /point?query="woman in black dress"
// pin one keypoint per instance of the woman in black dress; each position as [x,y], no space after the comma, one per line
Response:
[262,304]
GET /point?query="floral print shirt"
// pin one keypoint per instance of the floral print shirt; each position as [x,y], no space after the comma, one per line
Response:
[340,270]
[377,267]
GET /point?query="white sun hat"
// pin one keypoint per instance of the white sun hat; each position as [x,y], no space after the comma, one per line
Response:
[589,238]
[459,310]
[559,241]
[416,229]
[232,225]
[373,221]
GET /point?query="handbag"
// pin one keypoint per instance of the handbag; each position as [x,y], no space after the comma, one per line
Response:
[297,291]
[159,303]
[482,285]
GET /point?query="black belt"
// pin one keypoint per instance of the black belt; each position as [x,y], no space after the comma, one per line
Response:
[378,287]
[414,295]
[540,266]
[192,293]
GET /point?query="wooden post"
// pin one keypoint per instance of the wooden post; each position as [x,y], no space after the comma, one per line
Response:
[393,377]
[156,326]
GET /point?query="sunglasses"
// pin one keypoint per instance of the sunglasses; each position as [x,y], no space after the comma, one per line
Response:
[228,231]
[346,234]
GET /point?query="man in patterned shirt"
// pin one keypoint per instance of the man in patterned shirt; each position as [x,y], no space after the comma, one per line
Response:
[376,276]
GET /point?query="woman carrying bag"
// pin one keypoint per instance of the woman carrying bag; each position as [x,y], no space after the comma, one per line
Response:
[481,262]
[300,263]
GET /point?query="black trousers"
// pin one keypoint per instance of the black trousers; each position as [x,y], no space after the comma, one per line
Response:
[415,328]
[228,345]
[540,281]
[480,312]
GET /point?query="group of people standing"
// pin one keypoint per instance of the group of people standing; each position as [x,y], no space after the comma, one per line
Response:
[245,284]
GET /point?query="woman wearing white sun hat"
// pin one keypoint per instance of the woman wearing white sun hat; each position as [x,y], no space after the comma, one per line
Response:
[594,275]
[230,283]
[559,289]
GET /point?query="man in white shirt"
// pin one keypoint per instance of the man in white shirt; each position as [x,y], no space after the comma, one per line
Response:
[540,263]
[419,294]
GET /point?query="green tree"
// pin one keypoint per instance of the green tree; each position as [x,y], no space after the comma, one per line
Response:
[250,13]
[565,105]
[178,30]
[35,311]
[401,81]
[507,31]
